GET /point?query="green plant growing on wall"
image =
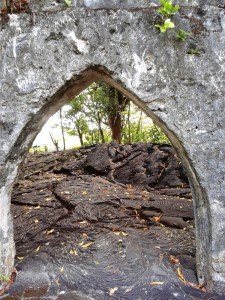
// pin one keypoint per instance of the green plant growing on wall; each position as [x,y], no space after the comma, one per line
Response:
[194,51]
[4,278]
[182,34]
[167,11]
[68,2]
[167,24]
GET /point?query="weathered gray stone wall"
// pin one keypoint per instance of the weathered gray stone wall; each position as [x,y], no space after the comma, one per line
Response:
[141,3]
[38,5]
[49,57]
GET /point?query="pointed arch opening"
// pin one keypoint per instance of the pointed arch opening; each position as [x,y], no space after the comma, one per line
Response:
[70,89]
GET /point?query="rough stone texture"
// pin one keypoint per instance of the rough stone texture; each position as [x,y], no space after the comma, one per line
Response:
[46,58]
[141,3]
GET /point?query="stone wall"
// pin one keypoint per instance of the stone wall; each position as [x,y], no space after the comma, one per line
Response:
[48,57]
[93,4]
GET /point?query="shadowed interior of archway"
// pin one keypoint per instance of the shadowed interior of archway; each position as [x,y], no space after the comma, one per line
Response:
[64,270]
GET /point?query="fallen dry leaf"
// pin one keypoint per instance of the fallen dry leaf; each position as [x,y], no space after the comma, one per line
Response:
[157,219]
[120,233]
[128,290]
[181,276]
[145,194]
[174,259]
[73,252]
[116,233]
[48,198]
[194,285]
[112,291]
[115,229]
[20,257]
[156,282]
[61,269]
[38,248]
[197,286]
[87,245]
[57,281]
[50,231]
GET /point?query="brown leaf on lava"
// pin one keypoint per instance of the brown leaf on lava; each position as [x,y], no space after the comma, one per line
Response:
[38,248]
[181,276]
[20,257]
[73,252]
[61,269]
[86,245]
[50,231]
[157,219]
[112,291]
[174,260]
[120,233]
[198,286]
[156,282]
[194,285]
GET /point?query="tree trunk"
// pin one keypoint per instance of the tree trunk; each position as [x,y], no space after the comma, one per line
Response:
[116,127]
[139,128]
[55,142]
[62,129]
[80,137]
[101,130]
[115,117]
[128,123]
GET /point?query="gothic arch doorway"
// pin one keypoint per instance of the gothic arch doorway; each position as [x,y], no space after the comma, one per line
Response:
[74,87]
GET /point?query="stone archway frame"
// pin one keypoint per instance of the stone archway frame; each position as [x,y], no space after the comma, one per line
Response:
[47,63]
[77,85]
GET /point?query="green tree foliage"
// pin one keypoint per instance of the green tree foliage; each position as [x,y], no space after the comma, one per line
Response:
[77,124]
[157,136]
[101,114]
[100,105]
